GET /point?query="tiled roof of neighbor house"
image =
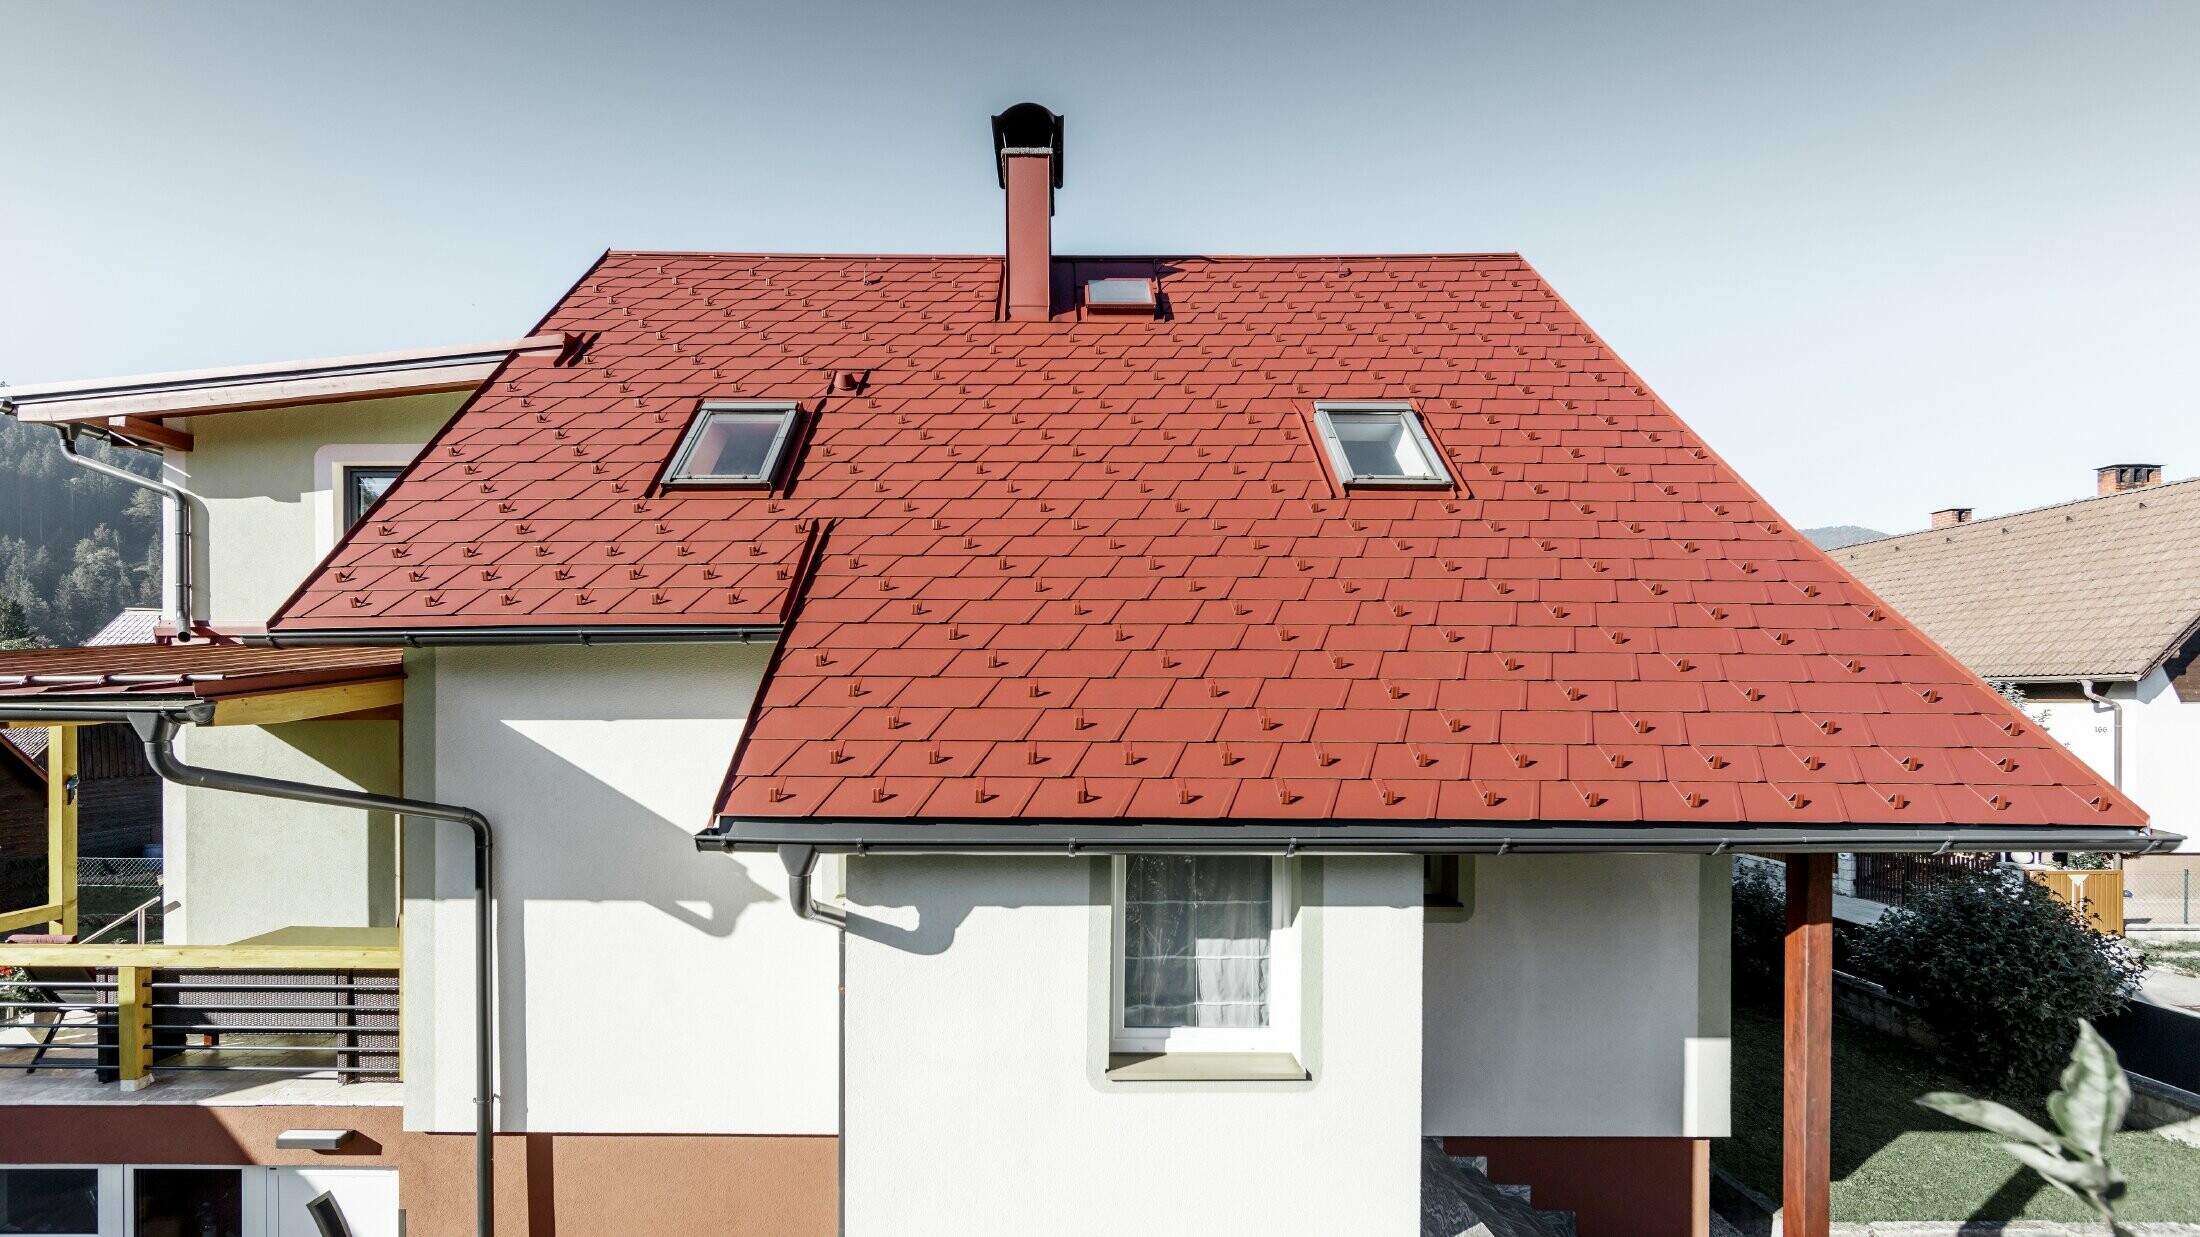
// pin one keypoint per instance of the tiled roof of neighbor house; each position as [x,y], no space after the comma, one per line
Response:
[1099,569]
[201,671]
[134,625]
[2102,587]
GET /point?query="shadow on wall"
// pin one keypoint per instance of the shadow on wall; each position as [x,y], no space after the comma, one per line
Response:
[953,887]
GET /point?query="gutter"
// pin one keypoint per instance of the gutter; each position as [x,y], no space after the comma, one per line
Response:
[430,637]
[156,729]
[798,841]
[176,550]
[2116,731]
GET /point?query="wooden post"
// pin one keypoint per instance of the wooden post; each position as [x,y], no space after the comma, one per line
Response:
[1806,1169]
[61,799]
[134,1025]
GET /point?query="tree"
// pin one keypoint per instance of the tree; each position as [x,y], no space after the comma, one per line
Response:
[15,626]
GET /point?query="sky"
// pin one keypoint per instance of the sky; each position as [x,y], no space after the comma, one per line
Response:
[1885,257]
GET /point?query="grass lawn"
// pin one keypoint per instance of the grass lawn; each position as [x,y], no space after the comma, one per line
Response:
[2182,957]
[1895,1161]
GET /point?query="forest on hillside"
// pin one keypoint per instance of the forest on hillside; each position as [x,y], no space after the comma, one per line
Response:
[75,547]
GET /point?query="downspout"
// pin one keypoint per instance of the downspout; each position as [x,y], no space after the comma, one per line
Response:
[2116,731]
[801,865]
[175,552]
[159,735]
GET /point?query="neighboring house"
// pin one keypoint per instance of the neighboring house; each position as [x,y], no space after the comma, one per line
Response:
[2092,608]
[1166,735]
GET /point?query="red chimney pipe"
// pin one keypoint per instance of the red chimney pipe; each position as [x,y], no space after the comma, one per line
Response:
[1027,144]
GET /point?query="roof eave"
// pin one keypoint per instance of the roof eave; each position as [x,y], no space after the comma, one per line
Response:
[426,637]
[1074,837]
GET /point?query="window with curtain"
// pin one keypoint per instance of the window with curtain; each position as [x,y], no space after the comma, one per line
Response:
[1196,937]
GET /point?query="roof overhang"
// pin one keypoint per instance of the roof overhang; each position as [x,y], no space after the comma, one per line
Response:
[191,393]
[1101,837]
[221,685]
[428,637]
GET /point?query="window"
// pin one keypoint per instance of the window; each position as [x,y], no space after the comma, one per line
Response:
[1119,295]
[362,486]
[1447,887]
[1379,444]
[188,1202]
[1206,954]
[49,1200]
[733,444]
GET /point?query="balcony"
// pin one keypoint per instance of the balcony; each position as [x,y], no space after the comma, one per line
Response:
[301,1013]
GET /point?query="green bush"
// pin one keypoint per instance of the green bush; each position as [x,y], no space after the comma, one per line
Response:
[1760,926]
[2001,971]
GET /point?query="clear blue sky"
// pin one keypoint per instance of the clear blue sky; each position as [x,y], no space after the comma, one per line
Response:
[1887,257]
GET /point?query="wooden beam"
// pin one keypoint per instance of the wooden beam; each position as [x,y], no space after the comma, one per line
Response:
[133,1025]
[308,702]
[29,916]
[146,429]
[1806,1168]
[207,957]
[61,827]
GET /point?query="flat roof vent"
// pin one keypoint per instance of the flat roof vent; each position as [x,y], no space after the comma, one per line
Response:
[1120,296]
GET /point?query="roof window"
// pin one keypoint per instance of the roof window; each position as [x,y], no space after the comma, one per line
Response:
[1112,296]
[1379,444]
[733,444]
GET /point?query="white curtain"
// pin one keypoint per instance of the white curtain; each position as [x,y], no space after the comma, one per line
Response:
[1195,940]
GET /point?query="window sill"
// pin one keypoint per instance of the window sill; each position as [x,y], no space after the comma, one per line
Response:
[1205,1067]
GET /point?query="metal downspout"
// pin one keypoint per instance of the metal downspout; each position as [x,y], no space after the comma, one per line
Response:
[175,551]
[159,734]
[2116,731]
[801,865]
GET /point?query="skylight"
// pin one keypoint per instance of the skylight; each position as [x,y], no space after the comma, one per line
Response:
[1379,444]
[1117,295]
[733,444]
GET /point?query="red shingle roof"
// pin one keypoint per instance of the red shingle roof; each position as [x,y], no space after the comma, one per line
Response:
[1098,568]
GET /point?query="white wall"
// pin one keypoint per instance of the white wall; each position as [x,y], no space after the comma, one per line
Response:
[241,865]
[1585,995]
[2161,747]
[646,987]
[976,1022]
[263,489]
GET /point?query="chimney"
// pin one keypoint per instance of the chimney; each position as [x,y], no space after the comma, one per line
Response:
[1027,149]
[1949,517]
[2116,478]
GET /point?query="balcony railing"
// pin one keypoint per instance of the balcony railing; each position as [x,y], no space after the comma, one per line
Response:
[126,1012]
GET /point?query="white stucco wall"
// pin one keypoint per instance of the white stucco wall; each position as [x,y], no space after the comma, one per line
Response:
[263,490]
[645,987]
[1585,995]
[976,1022]
[2161,738]
[241,865]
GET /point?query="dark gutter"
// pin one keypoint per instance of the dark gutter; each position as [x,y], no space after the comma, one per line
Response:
[156,728]
[1056,837]
[429,637]
[158,733]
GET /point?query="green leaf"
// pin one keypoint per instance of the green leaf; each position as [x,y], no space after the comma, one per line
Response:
[1991,1117]
[2072,1177]
[2094,1096]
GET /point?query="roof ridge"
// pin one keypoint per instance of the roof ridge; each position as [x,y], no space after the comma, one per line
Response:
[1458,255]
[2011,515]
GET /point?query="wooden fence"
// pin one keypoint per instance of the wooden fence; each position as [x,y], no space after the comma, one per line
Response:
[2097,893]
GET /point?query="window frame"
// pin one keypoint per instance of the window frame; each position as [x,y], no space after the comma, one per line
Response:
[109,1207]
[1407,415]
[775,455]
[1148,305]
[1285,990]
[345,471]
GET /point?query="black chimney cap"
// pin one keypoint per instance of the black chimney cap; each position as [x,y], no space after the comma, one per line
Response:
[1025,126]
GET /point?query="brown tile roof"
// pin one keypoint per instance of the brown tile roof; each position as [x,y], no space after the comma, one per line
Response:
[2102,587]
[204,671]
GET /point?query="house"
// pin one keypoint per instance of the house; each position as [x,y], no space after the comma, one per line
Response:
[2091,609]
[959,744]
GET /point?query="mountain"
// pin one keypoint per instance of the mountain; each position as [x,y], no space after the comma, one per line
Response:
[1834,536]
[75,547]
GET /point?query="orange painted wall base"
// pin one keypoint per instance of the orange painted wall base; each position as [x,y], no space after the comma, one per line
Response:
[1616,1187]
[548,1185]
